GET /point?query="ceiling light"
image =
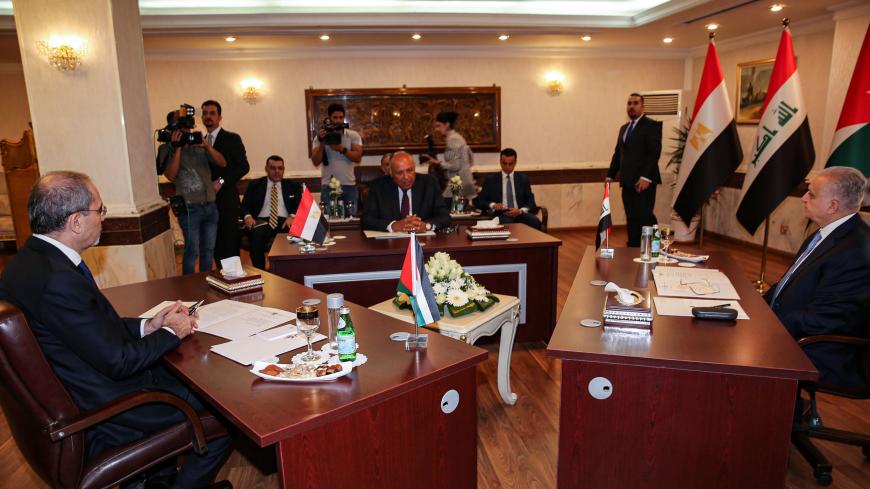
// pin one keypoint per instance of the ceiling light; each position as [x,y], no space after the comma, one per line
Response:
[504,37]
[776,7]
[324,37]
[586,38]
[416,37]
[230,39]
[668,40]
[712,27]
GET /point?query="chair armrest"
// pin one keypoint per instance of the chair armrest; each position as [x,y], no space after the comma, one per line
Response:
[831,338]
[545,216]
[124,403]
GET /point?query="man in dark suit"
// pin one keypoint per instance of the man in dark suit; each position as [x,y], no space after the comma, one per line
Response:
[827,288]
[636,160]
[404,201]
[508,194]
[230,145]
[268,207]
[96,354]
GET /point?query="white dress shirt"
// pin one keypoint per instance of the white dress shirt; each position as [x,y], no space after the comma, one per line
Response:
[267,202]
[504,191]
[827,230]
[410,209]
[214,134]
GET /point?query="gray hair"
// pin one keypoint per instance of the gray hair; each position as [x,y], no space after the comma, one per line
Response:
[846,185]
[54,197]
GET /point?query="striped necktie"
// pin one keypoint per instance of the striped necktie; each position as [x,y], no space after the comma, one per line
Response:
[273,207]
[210,138]
[810,247]
[509,190]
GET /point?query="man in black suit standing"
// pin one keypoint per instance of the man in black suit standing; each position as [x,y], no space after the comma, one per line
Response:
[230,145]
[97,355]
[268,207]
[636,160]
[826,290]
[508,194]
[404,201]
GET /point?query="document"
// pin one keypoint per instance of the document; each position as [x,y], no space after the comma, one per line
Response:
[150,313]
[236,320]
[696,283]
[388,235]
[675,306]
[248,350]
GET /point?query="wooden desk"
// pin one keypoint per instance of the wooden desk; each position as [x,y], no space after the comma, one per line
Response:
[696,404]
[381,426]
[366,270]
[344,225]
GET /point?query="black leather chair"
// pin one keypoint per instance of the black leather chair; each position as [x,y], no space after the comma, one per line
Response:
[48,427]
[808,423]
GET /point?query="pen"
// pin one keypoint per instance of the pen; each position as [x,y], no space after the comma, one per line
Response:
[722,305]
[192,309]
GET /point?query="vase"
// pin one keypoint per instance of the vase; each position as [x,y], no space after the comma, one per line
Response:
[334,208]
[457,204]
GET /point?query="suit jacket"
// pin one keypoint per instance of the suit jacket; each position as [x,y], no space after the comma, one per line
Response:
[382,205]
[491,192]
[829,293]
[95,353]
[230,145]
[255,196]
[639,156]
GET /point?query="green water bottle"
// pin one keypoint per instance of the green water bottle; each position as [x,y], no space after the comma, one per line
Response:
[656,242]
[346,336]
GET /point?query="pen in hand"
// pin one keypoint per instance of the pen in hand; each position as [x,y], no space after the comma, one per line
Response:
[192,309]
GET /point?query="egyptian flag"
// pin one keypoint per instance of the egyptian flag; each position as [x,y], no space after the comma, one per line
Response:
[309,223]
[851,145]
[415,284]
[712,150]
[783,154]
[604,220]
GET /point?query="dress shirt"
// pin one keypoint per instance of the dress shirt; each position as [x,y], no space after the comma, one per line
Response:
[825,231]
[504,191]
[410,208]
[633,126]
[267,202]
[213,134]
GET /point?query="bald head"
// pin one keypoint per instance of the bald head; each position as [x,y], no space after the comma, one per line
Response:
[403,170]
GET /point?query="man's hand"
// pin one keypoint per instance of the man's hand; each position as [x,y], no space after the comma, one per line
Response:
[250,222]
[217,185]
[408,224]
[288,222]
[513,212]
[159,320]
[174,139]
[498,207]
[641,185]
[180,323]
[321,133]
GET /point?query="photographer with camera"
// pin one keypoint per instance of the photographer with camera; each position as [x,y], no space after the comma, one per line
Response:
[335,150]
[185,158]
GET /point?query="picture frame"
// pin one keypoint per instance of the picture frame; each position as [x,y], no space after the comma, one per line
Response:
[753,78]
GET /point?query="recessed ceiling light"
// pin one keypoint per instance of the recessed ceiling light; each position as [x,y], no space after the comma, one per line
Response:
[230,39]
[324,37]
[416,37]
[586,38]
[504,37]
[712,27]
[668,40]
[776,7]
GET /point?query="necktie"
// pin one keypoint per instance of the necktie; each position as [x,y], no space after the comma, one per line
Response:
[210,138]
[273,207]
[509,191]
[628,131]
[809,249]
[87,272]
[406,204]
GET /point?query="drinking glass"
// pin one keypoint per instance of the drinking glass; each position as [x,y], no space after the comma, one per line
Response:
[307,321]
[667,237]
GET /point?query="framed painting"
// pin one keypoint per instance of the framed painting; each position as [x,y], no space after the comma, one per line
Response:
[752,81]
[394,119]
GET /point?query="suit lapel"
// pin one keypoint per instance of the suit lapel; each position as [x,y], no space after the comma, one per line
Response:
[417,196]
[499,183]
[821,250]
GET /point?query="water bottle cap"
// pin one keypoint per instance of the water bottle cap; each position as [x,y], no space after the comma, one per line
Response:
[334,301]
[344,310]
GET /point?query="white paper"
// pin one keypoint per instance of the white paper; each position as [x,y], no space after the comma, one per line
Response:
[696,283]
[248,350]
[674,306]
[150,313]
[489,223]
[236,320]
[388,235]
[232,267]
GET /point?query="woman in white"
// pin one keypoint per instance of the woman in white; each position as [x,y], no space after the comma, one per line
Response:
[457,156]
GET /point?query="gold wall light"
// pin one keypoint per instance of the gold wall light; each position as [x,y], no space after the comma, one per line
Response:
[63,54]
[251,90]
[555,82]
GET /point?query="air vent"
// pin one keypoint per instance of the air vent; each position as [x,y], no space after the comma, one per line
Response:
[662,102]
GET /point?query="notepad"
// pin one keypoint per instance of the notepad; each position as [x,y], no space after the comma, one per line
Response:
[248,350]
[235,320]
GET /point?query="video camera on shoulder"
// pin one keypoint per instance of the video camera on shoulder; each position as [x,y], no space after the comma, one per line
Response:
[333,131]
[183,118]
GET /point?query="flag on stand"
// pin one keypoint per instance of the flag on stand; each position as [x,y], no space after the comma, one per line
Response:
[851,144]
[604,220]
[414,282]
[783,153]
[309,223]
[712,150]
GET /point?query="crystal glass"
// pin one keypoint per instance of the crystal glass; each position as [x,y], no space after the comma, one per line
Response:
[667,237]
[307,321]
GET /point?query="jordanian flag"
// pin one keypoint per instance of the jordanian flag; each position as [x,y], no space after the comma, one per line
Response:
[309,223]
[712,150]
[605,222]
[851,145]
[415,284]
[783,153]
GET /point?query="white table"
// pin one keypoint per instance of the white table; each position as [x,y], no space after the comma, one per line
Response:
[503,315]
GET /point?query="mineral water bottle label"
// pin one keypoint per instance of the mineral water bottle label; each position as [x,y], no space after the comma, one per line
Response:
[346,344]
[341,323]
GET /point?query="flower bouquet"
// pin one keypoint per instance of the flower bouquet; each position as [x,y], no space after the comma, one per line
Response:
[335,194]
[455,184]
[455,290]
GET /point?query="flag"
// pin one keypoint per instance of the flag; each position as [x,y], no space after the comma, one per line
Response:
[414,282]
[712,150]
[604,220]
[783,154]
[309,223]
[851,144]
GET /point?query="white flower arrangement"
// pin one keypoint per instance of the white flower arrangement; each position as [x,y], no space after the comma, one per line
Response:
[454,289]
[455,185]
[334,188]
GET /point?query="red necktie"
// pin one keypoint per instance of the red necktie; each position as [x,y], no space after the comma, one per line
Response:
[406,204]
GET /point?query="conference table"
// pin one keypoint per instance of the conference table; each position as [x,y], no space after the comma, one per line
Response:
[697,403]
[387,424]
[366,270]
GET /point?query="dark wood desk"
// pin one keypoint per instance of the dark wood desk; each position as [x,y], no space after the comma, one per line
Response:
[696,404]
[366,270]
[380,426]
[344,225]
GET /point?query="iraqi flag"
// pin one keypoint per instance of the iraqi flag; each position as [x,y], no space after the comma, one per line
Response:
[309,223]
[712,150]
[415,284]
[783,154]
[604,220]
[851,145]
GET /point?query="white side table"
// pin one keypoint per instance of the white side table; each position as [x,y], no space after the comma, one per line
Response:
[503,315]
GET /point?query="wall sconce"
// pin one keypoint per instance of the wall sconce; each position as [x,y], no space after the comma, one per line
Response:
[63,54]
[555,82]
[251,90]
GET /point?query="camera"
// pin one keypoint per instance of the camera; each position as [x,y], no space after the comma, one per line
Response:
[333,131]
[183,118]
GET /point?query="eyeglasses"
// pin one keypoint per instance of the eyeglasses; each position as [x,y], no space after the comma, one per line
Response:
[102,210]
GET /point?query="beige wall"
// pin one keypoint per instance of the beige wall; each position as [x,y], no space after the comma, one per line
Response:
[14,111]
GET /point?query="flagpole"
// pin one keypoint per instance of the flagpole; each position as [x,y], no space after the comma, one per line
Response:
[760,285]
